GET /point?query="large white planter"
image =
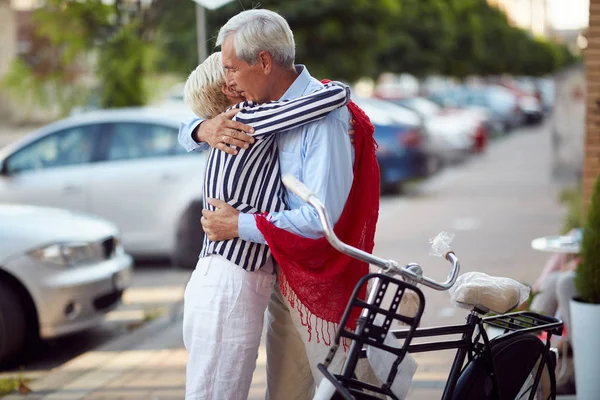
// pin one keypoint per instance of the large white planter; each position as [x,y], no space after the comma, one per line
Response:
[585,335]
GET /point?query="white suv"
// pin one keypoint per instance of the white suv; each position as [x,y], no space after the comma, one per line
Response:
[124,165]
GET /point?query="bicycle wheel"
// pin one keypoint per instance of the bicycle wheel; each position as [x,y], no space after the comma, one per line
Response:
[516,360]
[546,389]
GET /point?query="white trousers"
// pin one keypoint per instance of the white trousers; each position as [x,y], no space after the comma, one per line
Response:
[223,319]
[222,325]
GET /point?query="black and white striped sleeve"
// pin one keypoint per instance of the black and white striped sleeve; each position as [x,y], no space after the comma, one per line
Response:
[275,117]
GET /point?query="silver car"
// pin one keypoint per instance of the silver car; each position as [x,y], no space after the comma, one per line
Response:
[60,273]
[124,165]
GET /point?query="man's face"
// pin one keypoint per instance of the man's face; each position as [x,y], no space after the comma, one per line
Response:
[250,81]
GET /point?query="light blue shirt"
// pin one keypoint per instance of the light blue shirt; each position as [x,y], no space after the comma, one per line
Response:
[318,154]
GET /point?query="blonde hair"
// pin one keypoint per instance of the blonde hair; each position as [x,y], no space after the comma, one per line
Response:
[202,92]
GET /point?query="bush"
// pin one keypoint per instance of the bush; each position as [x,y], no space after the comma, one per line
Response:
[587,275]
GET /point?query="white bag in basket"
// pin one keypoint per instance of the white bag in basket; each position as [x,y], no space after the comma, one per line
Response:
[381,361]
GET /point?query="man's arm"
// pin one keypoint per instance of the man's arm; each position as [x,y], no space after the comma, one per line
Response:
[274,117]
[327,171]
[219,132]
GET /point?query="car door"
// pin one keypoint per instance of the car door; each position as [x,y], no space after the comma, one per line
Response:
[52,171]
[140,182]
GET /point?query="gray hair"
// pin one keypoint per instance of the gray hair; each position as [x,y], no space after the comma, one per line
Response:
[260,30]
[202,92]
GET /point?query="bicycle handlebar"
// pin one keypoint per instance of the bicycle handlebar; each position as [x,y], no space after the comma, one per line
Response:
[388,266]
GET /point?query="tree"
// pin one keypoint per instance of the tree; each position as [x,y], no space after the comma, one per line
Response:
[74,31]
[470,46]
[336,39]
[488,45]
[48,73]
[174,25]
[421,38]
[587,275]
[121,77]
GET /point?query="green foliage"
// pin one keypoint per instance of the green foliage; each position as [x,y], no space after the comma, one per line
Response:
[420,38]
[73,26]
[33,92]
[174,25]
[488,45]
[470,45]
[587,275]
[338,39]
[68,33]
[349,39]
[335,39]
[120,69]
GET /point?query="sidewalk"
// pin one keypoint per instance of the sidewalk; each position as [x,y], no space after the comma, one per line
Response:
[149,364]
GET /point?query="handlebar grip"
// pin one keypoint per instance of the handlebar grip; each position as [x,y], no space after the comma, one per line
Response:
[299,188]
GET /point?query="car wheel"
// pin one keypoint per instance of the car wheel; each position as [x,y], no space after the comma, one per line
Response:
[189,239]
[12,323]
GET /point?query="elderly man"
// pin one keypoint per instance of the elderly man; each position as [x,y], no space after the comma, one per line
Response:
[258,56]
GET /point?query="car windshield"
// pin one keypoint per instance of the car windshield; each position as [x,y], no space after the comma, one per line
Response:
[383,112]
[424,107]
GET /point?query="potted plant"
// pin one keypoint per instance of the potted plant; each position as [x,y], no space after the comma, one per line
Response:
[585,309]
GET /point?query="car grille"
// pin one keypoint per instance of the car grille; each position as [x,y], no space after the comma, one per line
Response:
[109,245]
[107,301]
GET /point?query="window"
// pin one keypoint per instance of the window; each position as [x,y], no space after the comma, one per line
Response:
[135,140]
[64,148]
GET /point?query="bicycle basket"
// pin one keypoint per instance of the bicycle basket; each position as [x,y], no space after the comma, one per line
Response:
[371,330]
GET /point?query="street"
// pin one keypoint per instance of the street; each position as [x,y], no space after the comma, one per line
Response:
[495,204]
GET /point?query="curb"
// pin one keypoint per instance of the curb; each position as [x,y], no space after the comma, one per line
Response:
[94,360]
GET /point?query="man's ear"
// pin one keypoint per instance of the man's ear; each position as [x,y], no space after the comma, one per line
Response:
[265,62]
[228,91]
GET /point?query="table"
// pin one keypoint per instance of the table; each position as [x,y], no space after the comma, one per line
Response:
[557,244]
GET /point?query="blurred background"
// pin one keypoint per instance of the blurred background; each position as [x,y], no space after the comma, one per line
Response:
[91,102]
[440,79]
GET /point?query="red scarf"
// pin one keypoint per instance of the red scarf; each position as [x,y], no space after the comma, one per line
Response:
[317,279]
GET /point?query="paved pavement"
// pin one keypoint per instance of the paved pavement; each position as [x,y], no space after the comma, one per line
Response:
[155,289]
[495,204]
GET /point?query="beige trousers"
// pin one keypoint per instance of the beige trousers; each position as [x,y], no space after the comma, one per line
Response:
[292,358]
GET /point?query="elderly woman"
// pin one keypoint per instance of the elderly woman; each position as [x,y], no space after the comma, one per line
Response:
[228,292]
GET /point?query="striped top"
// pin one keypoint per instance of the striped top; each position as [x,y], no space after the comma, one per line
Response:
[250,181]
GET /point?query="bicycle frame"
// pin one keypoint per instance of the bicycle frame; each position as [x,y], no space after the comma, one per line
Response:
[464,346]
[474,340]
[369,334]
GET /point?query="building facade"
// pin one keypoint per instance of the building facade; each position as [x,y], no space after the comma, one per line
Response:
[591,164]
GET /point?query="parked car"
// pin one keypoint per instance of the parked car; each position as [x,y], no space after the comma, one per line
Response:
[401,153]
[124,165]
[500,104]
[60,273]
[452,134]
[529,98]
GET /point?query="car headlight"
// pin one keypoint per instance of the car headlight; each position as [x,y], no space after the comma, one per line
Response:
[69,254]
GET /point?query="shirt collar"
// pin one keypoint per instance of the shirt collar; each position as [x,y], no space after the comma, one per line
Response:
[299,86]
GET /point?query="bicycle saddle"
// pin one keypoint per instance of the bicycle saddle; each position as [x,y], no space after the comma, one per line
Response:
[488,293]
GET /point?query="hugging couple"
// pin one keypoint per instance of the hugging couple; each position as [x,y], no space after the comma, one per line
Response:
[263,117]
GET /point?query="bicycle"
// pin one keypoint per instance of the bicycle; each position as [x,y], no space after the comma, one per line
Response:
[491,370]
